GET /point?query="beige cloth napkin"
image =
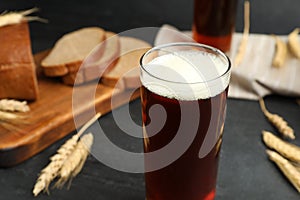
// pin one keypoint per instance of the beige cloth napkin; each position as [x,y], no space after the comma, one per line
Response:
[255,76]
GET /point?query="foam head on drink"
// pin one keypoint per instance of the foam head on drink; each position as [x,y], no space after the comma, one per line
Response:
[186,78]
[186,75]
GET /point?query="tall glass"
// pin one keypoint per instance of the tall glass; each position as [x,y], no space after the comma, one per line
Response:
[183,95]
[214,22]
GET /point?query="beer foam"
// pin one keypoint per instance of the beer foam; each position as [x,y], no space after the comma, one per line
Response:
[186,75]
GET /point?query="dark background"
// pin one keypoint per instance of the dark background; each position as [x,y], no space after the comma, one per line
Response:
[268,16]
[245,172]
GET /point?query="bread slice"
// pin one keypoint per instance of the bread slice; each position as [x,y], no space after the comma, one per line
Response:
[70,50]
[126,71]
[17,69]
[96,64]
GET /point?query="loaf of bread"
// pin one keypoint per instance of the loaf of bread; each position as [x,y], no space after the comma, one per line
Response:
[70,50]
[17,69]
[97,63]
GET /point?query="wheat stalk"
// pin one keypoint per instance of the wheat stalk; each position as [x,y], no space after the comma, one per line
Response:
[286,167]
[288,150]
[8,18]
[51,171]
[280,53]
[243,45]
[277,121]
[76,160]
[13,105]
[11,121]
[293,42]
[6,116]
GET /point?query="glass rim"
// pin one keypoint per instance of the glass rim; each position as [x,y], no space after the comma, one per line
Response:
[213,49]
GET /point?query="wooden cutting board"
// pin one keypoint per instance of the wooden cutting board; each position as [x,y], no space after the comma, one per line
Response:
[51,117]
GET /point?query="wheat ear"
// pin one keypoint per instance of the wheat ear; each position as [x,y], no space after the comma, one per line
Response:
[6,116]
[51,171]
[288,150]
[277,121]
[293,42]
[8,18]
[11,121]
[280,53]
[76,160]
[286,167]
[13,105]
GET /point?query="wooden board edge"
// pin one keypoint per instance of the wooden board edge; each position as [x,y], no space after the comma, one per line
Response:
[13,156]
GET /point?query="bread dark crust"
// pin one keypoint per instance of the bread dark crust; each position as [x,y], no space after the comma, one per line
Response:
[70,67]
[17,68]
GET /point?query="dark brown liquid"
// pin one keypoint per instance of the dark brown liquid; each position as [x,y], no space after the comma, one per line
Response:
[189,177]
[214,22]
